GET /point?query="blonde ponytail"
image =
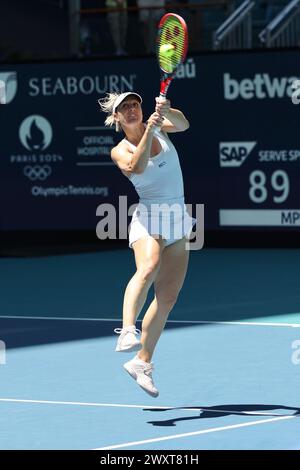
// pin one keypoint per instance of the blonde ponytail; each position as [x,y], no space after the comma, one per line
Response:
[107,105]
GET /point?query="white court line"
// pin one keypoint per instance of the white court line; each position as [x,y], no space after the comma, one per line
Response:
[196,322]
[195,433]
[119,405]
[79,403]
[166,408]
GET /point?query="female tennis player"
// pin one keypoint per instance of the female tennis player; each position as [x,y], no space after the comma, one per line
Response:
[159,227]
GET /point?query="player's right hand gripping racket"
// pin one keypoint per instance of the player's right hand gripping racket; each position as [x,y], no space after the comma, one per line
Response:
[172,45]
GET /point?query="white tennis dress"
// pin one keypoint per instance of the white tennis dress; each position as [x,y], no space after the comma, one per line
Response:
[161,209]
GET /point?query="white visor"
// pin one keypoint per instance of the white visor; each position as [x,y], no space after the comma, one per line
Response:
[122,98]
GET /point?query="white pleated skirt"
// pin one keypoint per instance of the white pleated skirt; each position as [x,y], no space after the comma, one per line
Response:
[171,221]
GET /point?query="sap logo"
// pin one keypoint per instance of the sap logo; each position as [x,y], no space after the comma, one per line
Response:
[233,154]
[262,86]
[296,92]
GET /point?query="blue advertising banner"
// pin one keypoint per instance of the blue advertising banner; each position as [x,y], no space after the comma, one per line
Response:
[240,157]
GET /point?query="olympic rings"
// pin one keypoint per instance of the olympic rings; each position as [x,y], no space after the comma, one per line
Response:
[37,172]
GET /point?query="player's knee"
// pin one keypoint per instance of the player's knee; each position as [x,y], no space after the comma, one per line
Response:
[149,269]
[166,298]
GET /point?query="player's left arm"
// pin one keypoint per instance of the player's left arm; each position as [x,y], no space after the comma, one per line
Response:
[174,119]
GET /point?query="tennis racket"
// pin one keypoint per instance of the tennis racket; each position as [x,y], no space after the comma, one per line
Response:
[172,45]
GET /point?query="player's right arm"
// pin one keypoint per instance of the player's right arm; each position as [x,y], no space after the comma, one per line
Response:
[136,161]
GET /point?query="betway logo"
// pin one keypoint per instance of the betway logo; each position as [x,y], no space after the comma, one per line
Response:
[262,86]
[233,154]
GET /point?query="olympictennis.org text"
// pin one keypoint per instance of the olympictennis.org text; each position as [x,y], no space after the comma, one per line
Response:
[2,353]
[40,191]
[169,219]
[296,353]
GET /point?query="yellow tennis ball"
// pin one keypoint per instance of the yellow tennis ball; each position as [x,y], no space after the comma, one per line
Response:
[166,50]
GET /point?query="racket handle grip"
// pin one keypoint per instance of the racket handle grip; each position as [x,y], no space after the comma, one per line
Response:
[161,95]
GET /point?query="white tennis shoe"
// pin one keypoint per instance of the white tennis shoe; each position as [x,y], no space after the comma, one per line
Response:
[128,341]
[141,371]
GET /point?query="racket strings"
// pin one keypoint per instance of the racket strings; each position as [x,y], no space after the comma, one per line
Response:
[172,34]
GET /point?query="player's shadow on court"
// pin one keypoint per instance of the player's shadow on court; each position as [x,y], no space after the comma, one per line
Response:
[224,410]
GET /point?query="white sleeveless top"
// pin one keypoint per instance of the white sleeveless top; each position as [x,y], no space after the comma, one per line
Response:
[162,180]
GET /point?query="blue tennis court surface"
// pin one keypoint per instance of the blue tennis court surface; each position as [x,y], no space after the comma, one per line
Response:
[226,366]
